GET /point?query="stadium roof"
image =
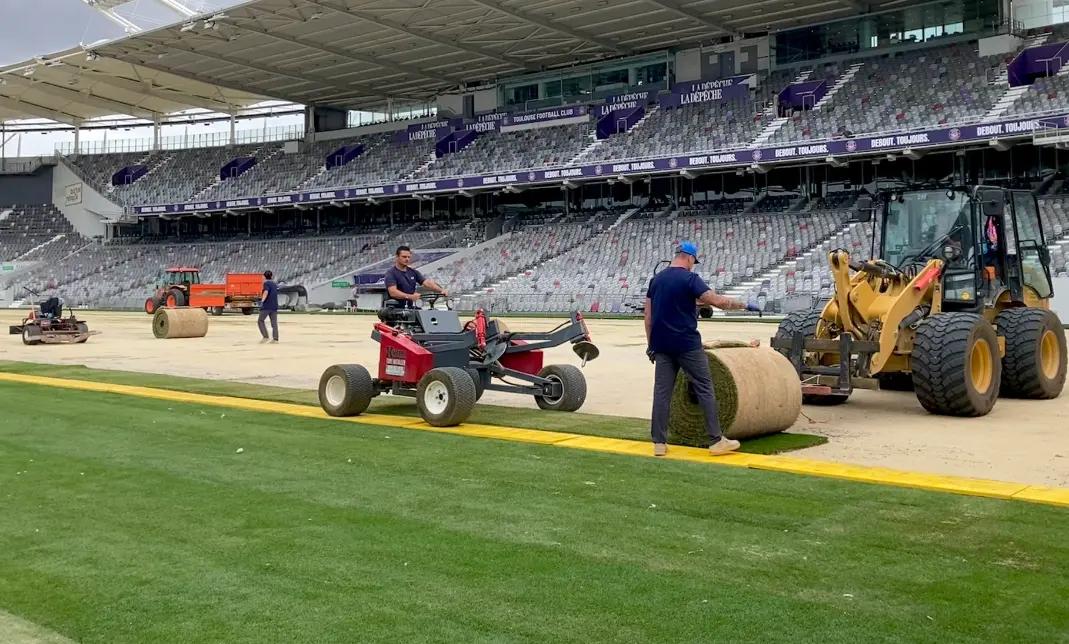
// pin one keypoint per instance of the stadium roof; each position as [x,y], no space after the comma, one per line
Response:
[359,53]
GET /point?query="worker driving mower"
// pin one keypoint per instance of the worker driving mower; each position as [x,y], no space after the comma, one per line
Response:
[426,353]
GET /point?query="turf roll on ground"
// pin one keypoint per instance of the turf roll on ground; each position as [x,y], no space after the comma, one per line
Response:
[180,323]
[757,389]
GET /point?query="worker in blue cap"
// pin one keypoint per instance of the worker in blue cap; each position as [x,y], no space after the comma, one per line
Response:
[673,343]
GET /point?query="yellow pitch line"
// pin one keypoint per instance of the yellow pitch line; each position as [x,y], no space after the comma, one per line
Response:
[863,473]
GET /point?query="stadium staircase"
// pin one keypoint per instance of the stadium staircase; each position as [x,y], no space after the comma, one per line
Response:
[772,112]
[260,163]
[1011,94]
[588,153]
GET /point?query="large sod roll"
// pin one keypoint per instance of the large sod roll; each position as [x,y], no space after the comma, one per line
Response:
[180,323]
[757,390]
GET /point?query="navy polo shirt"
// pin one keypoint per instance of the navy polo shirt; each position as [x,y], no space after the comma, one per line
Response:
[673,293]
[406,281]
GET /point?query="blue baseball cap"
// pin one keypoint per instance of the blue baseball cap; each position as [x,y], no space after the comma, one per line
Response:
[690,248]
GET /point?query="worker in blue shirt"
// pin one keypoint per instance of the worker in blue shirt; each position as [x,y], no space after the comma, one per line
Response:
[673,343]
[401,279]
[269,307]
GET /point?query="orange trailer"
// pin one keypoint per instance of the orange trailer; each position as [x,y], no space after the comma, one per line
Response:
[181,286]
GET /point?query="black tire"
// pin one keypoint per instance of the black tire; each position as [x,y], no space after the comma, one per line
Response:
[83,328]
[480,386]
[217,311]
[1035,360]
[346,390]
[573,385]
[805,323]
[31,335]
[179,296]
[951,375]
[445,396]
[900,381]
[245,311]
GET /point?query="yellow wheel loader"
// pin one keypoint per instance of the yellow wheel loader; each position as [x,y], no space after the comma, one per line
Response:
[956,307]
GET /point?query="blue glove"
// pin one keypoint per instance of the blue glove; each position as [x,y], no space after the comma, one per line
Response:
[753,308]
[649,354]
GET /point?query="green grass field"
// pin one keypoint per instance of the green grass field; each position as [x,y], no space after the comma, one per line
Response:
[133,520]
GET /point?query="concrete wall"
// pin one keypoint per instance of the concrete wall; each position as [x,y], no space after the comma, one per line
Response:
[27,189]
[1000,44]
[370,129]
[703,63]
[80,203]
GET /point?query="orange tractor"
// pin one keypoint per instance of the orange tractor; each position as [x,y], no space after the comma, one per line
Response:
[181,286]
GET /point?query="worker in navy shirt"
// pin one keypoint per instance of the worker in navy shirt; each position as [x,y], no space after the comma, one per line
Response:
[673,343]
[402,280]
[269,307]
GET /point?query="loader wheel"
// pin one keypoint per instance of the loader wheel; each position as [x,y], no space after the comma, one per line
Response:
[445,396]
[31,335]
[573,388]
[151,305]
[956,366]
[480,386]
[176,297]
[345,390]
[805,323]
[83,328]
[1034,364]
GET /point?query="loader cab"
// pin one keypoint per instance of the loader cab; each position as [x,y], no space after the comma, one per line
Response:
[990,239]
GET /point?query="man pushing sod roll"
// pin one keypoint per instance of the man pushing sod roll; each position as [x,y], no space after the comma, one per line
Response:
[673,343]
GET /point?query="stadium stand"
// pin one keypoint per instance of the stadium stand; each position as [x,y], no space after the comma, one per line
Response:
[35,233]
[524,150]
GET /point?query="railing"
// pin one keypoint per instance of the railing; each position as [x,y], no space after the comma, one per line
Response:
[186,141]
[23,165]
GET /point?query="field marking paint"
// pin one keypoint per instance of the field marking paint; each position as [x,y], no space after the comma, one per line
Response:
[862,473]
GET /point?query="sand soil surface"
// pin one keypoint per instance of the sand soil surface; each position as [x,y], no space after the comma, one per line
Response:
[1026,441]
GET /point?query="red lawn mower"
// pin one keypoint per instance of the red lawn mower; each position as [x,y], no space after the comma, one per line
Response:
[427,354]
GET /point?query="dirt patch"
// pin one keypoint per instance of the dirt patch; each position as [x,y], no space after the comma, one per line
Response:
[1019,441]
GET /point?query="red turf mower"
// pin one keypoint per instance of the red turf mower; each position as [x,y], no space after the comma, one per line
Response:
[45,324]
[428,355]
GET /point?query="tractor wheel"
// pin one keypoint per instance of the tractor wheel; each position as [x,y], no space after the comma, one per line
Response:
[83,328]
[176,297]
[899,381]
[345,390]
[445,396]
[31,334]
[573,387]
[1034,364]
[480,386]
[956,366]
[805,323]
[151,305]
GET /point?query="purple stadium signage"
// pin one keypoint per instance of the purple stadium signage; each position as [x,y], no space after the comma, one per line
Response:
[486,122]
[807,150]
[706,91]
[542,116]
[624,102]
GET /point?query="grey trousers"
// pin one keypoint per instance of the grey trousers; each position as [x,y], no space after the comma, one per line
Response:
[274,323]
[696,365]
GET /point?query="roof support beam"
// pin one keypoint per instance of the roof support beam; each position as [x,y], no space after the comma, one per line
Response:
[353,56]
[23,107]
[675,7]
[148,88]
[75,96]
[552,25]
[862,7]
[149,60]
[425,34]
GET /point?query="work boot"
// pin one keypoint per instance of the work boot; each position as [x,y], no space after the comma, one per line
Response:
[660,449]
[724,446]
[275,341]
[264,340]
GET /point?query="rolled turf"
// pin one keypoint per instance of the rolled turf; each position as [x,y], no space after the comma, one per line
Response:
[757,390]
[180,323]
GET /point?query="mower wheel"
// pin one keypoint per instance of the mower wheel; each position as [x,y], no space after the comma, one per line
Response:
[445,396]
[83,329]
[31,334]
[573,386]
[480,386]
[345,390]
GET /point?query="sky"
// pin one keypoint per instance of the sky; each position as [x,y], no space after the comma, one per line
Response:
[31,28]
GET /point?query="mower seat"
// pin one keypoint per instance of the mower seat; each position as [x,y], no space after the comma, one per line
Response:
[51,309]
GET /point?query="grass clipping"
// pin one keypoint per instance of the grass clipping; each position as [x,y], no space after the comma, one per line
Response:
[180,323]
[757,390]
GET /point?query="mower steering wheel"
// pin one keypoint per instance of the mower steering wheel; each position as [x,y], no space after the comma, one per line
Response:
[432,300]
